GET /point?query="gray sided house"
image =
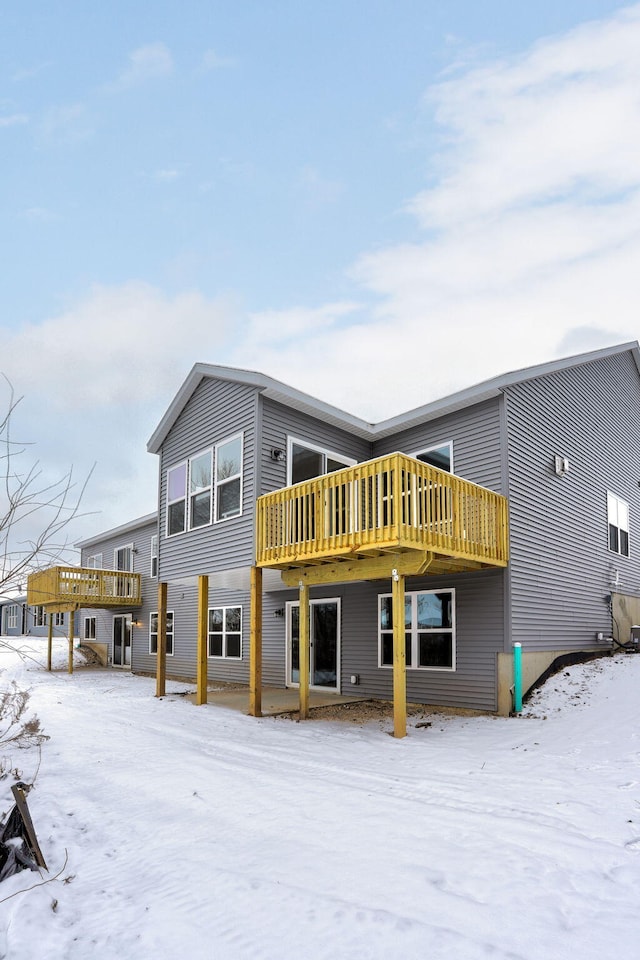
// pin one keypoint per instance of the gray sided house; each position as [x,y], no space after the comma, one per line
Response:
[560,441]
[18,618]
[121,635]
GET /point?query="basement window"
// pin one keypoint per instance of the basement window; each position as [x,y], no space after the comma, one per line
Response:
[429,622]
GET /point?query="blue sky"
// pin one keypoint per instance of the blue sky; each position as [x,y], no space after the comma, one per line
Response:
[377,202]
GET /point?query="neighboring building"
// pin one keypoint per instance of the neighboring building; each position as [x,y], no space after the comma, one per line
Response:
[560,441]
[17,618]
[118,634]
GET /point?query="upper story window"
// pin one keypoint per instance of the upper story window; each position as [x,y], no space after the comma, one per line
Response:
[440,456]
[176,499]
[200,490]
[306,461]
[154,555]
[123,558]
[228,493]
[429,621]
[94,561]
[618,518]
[213,480]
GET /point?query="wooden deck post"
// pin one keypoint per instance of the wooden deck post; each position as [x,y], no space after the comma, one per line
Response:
[304,650]
[399,657]
[203,634]
[255,644]
[50,642]
[72,625]
[161,645]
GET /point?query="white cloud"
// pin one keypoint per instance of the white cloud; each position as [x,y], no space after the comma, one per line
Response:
[65,124]
[168,175]
[531,234]
[317,190]
[213,61]
[97,378]
[149,62]
[14,120]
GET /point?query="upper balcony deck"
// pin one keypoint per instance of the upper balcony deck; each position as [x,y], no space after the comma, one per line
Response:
[394,504]
[73,587]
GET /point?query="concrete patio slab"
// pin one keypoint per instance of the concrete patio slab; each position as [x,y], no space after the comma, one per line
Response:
[275,700]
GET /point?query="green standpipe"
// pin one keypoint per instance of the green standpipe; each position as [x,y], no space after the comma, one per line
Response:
[517,678]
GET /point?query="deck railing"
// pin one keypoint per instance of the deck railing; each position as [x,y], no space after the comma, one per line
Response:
[85,587]
[391,503]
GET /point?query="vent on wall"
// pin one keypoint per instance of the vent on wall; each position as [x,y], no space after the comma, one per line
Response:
[561,465]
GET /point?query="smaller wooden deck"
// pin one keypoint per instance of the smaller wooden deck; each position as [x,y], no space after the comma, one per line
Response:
[59,589]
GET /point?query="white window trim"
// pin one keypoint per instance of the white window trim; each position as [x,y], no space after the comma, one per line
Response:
[436,446]
[11,616]
[618,500]
[124,546]
[189,526]
[289,606]
[58,619]
[92,561]
[172,632]
[39,616]
[414,632]
[218,483]
[223,655]
[331,454]
[185,464]
[95,625]
[154,555]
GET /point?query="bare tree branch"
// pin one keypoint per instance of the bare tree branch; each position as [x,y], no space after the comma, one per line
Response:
[35,512]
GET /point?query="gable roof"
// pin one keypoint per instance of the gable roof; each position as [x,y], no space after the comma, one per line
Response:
[296,399]
[128,527]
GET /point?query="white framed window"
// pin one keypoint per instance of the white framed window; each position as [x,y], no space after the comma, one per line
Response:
[94,562]
[618,520]
[39,617]
[89,628]
[177,499]
[123,558]
[58,619]
[228,478]
[153,633]
[440,455]
[306,461]
[200,490]
[225,632]
[430,630]
[154,555]
[11,616]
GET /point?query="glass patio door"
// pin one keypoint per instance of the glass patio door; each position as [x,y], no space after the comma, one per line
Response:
[122,641]
[324,640]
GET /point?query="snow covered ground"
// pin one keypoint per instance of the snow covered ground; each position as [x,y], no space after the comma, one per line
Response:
[177,830]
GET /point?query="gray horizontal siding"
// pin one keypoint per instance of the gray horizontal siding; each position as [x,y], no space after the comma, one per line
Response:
[479,638]
[140,537]
[183,600]
[476,435]
[217,410]
[561,568]
[280,422]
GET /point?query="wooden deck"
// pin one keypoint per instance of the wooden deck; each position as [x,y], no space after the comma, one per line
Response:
[389,506]
[68,588]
